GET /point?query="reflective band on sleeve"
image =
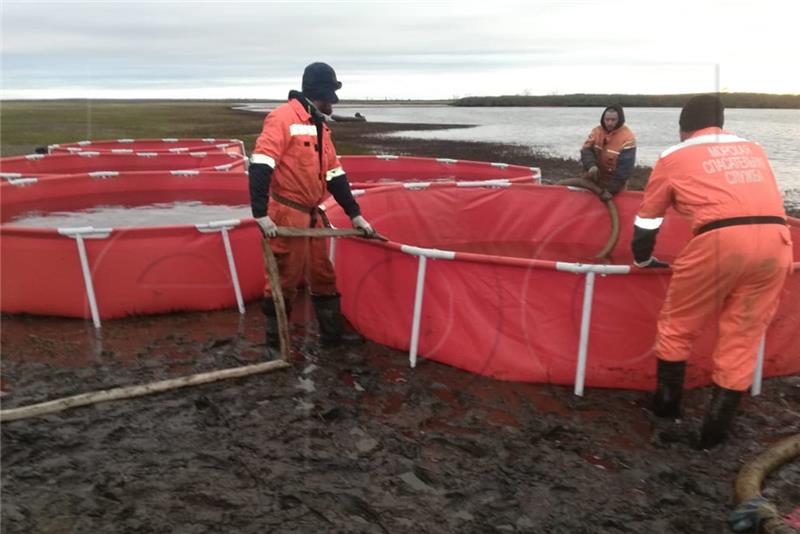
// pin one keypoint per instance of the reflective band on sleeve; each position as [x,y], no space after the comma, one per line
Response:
[333,173]
[303,129]
[648,224]
[262,159]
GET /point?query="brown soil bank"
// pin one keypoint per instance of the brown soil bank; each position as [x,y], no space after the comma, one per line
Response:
[349,440]
[366,137]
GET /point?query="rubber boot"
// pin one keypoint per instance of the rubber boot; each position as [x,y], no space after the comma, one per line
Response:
[719,416]
[272,338]
[331,322]
[669,389]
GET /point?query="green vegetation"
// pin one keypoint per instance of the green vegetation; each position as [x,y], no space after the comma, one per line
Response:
[24,125]
[27,124]
[731,100]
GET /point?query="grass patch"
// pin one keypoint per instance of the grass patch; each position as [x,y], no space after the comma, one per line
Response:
[24,125]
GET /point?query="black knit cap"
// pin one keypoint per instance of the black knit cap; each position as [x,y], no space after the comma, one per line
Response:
[702,111]
[320,83]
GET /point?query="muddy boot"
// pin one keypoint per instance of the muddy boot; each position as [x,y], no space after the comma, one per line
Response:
[719,416]
[669,389]
[331,323]
[272,337]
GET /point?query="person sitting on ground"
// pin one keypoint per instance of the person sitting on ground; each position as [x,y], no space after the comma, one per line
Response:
[609,153]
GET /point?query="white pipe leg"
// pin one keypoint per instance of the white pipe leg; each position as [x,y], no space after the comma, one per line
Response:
[87,280]
[412,351]
[758,374]
[232,266]
[583,344]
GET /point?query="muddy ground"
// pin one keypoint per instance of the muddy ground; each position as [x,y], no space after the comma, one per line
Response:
[349,440]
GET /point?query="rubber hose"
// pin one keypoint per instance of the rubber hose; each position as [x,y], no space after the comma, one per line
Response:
[752,475]
[612,212]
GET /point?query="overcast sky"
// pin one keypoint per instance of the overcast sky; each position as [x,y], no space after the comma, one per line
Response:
[257,50]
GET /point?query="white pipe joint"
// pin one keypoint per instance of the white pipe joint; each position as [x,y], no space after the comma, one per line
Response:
[500,182]
[580,268]
[432,253]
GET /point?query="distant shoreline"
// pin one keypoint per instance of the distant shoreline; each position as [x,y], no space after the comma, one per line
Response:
[731,100]
[27,125]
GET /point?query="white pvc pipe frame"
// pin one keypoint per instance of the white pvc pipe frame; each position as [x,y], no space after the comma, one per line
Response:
[88,232]
[590,270]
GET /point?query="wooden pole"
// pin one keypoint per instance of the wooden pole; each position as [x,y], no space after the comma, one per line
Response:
[274,275]
[285,231]
[277,298]
[128,392]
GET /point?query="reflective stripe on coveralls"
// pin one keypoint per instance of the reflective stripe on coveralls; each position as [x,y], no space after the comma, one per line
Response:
[735,273]
[607,147]
[289,144]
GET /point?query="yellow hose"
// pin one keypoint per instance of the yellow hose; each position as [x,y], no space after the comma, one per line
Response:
[752,475]
[612,212]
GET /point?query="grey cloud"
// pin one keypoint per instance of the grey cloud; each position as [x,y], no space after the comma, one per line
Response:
[102,43]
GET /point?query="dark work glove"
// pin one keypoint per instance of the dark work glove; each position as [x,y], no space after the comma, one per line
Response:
[749,514]
[651,263]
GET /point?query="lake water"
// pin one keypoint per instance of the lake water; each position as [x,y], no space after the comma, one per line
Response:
[561,131]
[161,214]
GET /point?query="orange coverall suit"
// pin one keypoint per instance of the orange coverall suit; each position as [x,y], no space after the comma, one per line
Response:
[608,147]
[289,145]
[736,264]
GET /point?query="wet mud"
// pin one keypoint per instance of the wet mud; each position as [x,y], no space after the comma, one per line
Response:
[352,439]
[347,440]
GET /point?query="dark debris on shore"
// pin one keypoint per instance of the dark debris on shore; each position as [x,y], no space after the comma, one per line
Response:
[368,138]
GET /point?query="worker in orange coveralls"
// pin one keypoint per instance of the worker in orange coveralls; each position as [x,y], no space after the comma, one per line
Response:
[734,267]
[609,153]
[293,165]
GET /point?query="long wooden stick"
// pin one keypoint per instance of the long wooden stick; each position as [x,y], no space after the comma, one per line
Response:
[128,392]
[274,275]
[277,298]
[285,231]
